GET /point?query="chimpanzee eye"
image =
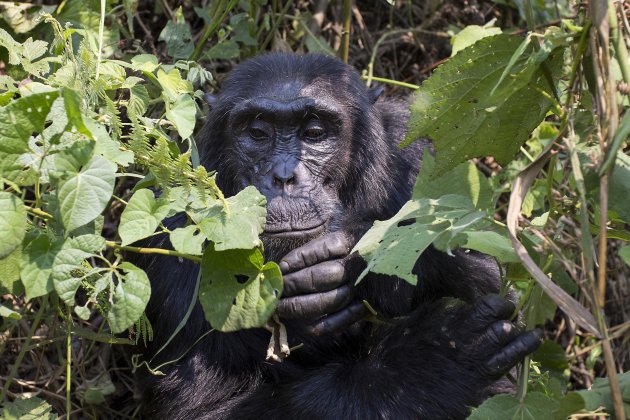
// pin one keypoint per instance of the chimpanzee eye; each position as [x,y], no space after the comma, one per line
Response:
[260,130]
[314,132]
[257,133]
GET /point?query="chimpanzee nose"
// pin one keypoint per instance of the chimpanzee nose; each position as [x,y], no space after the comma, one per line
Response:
[285,173]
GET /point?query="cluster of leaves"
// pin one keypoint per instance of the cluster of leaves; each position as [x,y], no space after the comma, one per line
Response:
[78,130]
[498,95]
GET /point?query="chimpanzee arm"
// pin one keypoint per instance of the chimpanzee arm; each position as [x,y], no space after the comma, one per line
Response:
[435,364]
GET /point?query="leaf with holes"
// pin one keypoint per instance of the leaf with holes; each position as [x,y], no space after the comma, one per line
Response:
[237,227]
[130,299]
[455,109]
[68,270]
[187,240]
[237,291]
[393,246]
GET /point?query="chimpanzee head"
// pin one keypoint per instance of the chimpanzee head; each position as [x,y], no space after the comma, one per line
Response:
[304,130]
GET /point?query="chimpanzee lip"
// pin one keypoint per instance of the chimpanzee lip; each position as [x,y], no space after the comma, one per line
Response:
[294,232]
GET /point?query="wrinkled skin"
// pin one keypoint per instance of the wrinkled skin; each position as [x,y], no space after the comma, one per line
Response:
[322,148]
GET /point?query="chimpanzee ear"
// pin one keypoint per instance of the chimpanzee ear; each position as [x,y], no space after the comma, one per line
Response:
[374,93]
[211,99]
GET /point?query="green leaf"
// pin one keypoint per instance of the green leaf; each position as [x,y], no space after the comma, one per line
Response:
[470,183]
[37,263]
[237,291]
[182,114]
[67,269]
[144,62]
[28,409]
[551,356]
[72,103]
[535,406]
[619,187]
[172,84]
[85,194]
[105,146]
[393,246]
[237,228]
[453,107]
[23,117]
[142,216]
[598,396]
[178,37]
[187,240]
[12,223]
[132,295]
[492,243]
[224,50]
[471,34]
[8,313]
[10,273]
[624,253]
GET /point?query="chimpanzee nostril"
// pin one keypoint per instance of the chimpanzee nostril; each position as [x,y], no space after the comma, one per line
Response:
[280,181]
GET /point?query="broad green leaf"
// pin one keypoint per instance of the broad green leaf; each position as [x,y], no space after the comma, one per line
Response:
[28,409]
[130,299]
[237,228]
[12,223]
[67,270]
[393,246]
[492,243]
[105,146]
[551,356]
[237,291]
[453,107]
[142,216]
[178,37]
[471,34]
[187,240]
[535,406]
[138,101]
[470,183]
[23,117]
[182,114]
[173,84]
[72,103]
[8,313]
[224,50]
[619,187]
[624,253]
[84,195]
[37,263]
[598,396]
[144,62]
[10,273]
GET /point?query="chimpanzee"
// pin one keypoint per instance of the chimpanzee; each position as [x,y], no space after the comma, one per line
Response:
[322,148]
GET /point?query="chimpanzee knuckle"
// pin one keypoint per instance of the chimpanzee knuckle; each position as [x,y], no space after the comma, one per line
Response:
[500,332]
[489,309]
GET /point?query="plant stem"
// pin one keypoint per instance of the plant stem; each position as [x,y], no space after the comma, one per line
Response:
[68,364]
[227,6]
[345,37]
[159,251]
[391,82]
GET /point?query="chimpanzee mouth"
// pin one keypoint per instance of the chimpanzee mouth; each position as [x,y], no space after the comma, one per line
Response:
[294,232]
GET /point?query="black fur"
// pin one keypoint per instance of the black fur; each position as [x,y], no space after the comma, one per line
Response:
[435,357]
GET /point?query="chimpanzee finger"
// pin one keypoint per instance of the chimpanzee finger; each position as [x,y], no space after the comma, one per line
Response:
[520,347]
[333,245]
[318,278]
[339,320]
[489,309]
[316,304]
[499,334]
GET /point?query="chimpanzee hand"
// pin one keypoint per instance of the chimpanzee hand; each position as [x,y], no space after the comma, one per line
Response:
[316,286]
[489,343]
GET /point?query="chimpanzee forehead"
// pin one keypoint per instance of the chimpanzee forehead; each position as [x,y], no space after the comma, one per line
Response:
[287,109]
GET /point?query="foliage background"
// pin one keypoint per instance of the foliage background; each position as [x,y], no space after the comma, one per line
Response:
[64,354]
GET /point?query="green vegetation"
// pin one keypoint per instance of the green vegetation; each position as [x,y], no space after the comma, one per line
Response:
[91,123]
